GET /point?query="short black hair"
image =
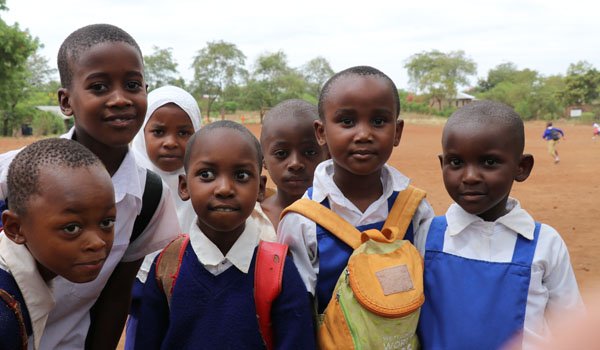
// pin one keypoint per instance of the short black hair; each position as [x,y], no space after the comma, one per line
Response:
[227,124]
[358,70]
[24,170]
[84,38]
[490,114]
[293,108]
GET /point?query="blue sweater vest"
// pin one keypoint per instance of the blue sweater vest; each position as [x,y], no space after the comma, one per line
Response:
[218,312]
[10,336]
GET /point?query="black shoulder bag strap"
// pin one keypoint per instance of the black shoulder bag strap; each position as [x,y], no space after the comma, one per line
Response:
[150,201]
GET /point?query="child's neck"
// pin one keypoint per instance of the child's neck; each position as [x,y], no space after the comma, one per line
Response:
[274,205]
[361,190]
[111,157]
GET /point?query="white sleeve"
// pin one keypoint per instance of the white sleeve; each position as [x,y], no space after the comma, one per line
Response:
[423,213]
[162,229]
[299,233]
[5,160]
[421,236]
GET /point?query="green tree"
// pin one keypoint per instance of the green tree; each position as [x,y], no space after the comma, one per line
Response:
[582,84]
[216,67]
[161,69]
[316,72]
[16,46]
[440,74]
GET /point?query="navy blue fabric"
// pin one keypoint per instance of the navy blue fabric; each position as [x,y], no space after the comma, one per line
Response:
[134,312]
[10,336]
[334,255]
[3,207]
[218,312]
[473,304]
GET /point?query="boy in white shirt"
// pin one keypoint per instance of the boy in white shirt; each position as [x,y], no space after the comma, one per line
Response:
[491,271]
[60,222]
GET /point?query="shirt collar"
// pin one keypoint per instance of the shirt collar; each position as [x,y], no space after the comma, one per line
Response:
[240,255]
[324,186]
[36,292]
[517,219]
[125,180]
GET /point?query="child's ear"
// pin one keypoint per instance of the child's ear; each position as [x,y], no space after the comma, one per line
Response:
[183,189]
[63,101]
[12,227]
[320,132]
[399,128]
[262,187]
[525,167]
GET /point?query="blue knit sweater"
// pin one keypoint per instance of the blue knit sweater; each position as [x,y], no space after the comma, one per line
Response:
[10,337]
[218,312]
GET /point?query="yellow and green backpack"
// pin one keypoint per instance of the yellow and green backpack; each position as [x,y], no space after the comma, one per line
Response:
[377,299]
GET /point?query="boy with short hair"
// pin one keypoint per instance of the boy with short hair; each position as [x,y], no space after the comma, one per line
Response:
[103,87]
[291,153]
[358,121]
[491,271]
[210,304]
[552,136]
[59,223]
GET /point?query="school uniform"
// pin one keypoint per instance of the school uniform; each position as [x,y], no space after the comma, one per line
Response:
[212,304]
[68,323]
[19,276]
[319,256]
[487,281]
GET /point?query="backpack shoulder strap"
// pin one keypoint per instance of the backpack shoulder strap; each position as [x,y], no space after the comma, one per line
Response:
[150,200]
[268,275]
[404,208]
[325,217]
[14,305]
[168,264]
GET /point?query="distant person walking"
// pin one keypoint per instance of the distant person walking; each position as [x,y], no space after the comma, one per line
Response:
[553,135]
[596,130]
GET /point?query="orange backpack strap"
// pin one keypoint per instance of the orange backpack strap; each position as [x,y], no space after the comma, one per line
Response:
[268,275]
[404,208]
[168,264]
[325,217]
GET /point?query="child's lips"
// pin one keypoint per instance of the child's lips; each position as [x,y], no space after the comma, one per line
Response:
[223,208]
[123,120]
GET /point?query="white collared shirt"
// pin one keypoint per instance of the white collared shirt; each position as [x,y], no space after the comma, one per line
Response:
[552,289]
[16,260]
[69,321]
[300,233]
[240,255]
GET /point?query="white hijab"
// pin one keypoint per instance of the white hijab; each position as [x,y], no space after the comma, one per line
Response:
[156,99]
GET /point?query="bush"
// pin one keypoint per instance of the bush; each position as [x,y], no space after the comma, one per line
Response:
[47,123]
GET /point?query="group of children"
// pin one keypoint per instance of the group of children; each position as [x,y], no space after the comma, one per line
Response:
[83,213]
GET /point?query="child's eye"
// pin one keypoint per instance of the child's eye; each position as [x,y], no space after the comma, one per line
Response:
[242,176]
[378,121]
[455,162]
[280,153]
[134,85]
[184,133]
[157,132]
[72,229]
[98,87]
[107,223]
[311,153]
[347,122]
[206,175]
[490,162]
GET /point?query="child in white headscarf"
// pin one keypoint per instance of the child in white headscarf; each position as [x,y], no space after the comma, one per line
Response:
[172,117]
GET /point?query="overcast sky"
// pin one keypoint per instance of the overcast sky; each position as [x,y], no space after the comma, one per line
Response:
[544,35]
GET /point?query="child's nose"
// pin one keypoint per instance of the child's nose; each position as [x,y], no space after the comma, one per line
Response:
[295,162]
[224,187]
[363,132]
[95,240]
[119,98]
[471,174]
[170,142]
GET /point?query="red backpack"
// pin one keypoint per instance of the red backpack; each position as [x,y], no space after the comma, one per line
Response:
[268,274]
